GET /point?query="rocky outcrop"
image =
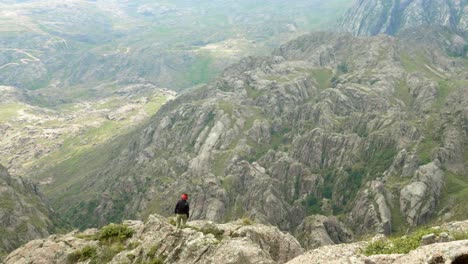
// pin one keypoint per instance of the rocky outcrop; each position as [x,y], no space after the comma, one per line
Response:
[372,209]
[24,214]
[371,17]
[419,198]
[318,230]
[431,249]
[450,252]
[201,242]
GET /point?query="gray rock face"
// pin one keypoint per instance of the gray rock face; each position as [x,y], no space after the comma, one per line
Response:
[372,17]
[24,214]
[419,198]
[318,230]
[202,242]
[372,209]
[349,253]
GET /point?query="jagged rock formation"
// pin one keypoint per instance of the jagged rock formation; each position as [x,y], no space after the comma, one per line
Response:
[444,251]
[23,213]
[329,124]
[449,252]
[372,17]
[318,230]
[202,242]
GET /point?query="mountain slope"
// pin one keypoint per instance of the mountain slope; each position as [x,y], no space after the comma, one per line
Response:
[35,137]
[24,214]
[330,124]
[372,17]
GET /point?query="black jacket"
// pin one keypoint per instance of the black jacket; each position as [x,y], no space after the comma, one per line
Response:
[182,207]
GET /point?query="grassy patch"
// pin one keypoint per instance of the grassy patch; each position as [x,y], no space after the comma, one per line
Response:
[7,203]
[8,111]
[219,163]
[87,252]
[227,107]
[462,235]
[247,221]
[153,106]
[217,233]
[201,71]
[400,245]
[430,141]
[322,77]
[252,93]
[115,232]
[402,92]
[454,195]
[444,88]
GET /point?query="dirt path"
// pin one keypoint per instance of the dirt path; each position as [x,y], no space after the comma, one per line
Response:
[31,58]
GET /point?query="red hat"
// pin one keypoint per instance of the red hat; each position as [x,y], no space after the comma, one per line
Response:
[184,196]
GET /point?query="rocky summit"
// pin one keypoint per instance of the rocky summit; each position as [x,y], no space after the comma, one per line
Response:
[157,241]
[241,242]
[24,214]
[372,17]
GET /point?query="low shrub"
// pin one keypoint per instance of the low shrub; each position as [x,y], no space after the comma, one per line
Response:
[399,245]
[114,232]
[87,252]
[460,235]
[247,221]
[107,253]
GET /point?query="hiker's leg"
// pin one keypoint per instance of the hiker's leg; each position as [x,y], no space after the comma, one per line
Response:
[184,220]
[178,221]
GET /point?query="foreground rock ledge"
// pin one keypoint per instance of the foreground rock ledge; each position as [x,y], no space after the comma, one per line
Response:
[455,252]
[235,242]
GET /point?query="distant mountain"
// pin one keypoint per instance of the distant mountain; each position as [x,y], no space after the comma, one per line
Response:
[24,214]
[79,45]
[76,73]
[372,17]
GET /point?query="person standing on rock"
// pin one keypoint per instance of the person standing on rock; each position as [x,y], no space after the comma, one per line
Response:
[182,211]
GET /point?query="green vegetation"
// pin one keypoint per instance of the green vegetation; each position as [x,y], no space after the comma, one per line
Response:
[323,78]
[7,202]
[399,245]
[111,242]
[444,88]
[402,92]
[202,70]
[153,106]
[312,205]
[343,67]
[8,111]
[87,252]
[431,140]
[217,233]
[220,163]
[247,221]
[115,232]
[252,93]
[455,195]
[227,107]
[461,235]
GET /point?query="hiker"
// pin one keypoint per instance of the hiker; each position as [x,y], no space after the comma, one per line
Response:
[182,211]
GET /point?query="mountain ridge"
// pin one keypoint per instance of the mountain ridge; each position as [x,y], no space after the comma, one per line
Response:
[372,17]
